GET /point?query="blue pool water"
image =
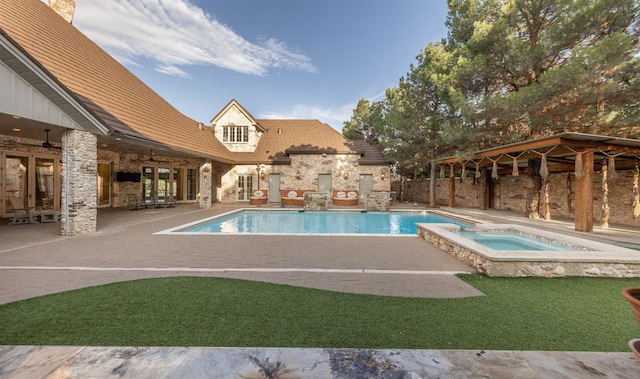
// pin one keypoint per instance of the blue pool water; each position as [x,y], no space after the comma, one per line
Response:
[512,241]
[333,222]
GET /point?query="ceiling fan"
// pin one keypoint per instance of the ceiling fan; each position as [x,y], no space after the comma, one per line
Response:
[151,159]
[47,144]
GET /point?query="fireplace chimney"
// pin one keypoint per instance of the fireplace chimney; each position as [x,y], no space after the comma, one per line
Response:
[64,8]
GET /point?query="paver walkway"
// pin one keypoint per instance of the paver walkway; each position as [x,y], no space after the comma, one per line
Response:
[35,260]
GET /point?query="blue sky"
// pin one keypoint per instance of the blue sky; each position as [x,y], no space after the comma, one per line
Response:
[308,59]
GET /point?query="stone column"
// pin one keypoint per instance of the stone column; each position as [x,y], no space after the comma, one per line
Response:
[206,174]
[79,183]
[64,8]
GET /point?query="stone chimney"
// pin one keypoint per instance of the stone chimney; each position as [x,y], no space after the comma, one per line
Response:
[64,8]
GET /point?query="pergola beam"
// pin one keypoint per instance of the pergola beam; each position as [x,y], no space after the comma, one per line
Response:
[558,151]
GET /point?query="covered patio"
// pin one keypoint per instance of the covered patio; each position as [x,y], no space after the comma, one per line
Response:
[583,156]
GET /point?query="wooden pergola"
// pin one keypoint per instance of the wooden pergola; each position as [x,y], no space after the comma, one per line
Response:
[565,152]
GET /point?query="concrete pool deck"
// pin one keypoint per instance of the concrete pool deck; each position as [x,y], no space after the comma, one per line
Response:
[35,260]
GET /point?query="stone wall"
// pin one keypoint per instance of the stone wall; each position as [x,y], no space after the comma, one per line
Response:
[79,188]
[128,162]
[235,117]
[314,201]
[303,173]
[510,193]
[376,202]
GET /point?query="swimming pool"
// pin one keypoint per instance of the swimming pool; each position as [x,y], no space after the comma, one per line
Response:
[320,223]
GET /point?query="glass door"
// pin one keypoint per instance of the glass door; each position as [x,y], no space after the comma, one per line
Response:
[45,194]
[148,180]
[245,187]
[16,183]
[164,184]
[104,184]
[192,184]
[176,184]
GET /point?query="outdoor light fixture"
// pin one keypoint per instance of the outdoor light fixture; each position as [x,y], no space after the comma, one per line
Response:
[298,174]
[382,175]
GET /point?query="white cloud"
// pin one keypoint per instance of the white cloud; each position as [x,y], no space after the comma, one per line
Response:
[334,116]
[176,33]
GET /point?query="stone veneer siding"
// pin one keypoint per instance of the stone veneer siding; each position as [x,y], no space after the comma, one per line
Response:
[206,183]
[235,117]
[345,173]
[131,162]
[79,186]
[510,193]
[523,268]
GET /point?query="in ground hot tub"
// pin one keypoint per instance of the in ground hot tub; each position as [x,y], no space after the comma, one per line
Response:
[516,250]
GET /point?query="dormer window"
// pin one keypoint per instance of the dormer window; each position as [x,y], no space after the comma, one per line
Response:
[235,134]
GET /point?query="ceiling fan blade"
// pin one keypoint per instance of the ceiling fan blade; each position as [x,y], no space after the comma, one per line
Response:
[48,145]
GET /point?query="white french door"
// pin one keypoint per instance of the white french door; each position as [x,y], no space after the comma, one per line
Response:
[245,187]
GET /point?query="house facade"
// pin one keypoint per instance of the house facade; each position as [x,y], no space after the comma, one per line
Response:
[78,131]
[278,157]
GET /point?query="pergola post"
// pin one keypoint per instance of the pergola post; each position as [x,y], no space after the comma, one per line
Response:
[584,194]
[483,188]
[452,187]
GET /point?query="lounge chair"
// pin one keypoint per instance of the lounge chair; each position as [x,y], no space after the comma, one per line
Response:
[21,214]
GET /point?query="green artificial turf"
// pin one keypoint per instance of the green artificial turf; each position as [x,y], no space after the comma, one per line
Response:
[563,314]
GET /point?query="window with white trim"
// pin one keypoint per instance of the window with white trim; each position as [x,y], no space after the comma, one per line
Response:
[235,134]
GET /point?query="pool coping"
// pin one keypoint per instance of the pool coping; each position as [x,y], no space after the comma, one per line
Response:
[590,258]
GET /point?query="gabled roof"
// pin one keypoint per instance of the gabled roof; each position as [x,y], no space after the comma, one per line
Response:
[231,104]
[284,137]
[118,99]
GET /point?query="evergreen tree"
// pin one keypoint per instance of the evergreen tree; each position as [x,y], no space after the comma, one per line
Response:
[537,67]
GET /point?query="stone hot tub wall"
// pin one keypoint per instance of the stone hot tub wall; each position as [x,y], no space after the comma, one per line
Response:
[601,261]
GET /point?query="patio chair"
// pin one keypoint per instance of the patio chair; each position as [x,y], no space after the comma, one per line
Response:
[47,215]
[135,203]
[168,202]
[21,214]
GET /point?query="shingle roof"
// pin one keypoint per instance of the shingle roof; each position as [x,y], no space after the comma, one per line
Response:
[117,97]
[370,154]
[283,137]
